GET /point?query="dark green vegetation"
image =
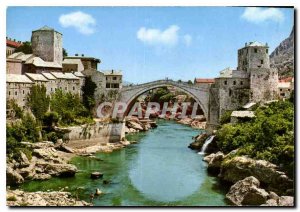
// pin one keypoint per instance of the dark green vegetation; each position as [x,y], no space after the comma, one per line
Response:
[38,101]
[88,90]
[25,48]
[24,130]
[161,95]
[270,136]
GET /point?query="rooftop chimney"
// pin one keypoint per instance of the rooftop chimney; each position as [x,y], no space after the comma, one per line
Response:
[82,55]
[112,71]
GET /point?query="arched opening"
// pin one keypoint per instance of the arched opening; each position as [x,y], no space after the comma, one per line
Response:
[133,98]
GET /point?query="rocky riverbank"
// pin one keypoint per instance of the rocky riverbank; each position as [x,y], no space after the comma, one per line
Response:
[134,124]
[253,182]
[54,198]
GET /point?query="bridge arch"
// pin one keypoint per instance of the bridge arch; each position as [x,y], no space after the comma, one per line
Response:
[200,94]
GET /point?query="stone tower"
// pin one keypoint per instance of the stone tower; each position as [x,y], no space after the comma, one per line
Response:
[47,44]
[254,59]
[253,55]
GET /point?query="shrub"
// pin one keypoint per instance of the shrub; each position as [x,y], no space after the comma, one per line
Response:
[225,118]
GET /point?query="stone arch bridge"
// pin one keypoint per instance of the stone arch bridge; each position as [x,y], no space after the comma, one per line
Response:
[128,94]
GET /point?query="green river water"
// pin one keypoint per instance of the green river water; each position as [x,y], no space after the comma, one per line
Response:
[159,170]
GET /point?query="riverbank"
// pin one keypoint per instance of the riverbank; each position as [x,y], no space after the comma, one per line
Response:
[256,164]
[54,198]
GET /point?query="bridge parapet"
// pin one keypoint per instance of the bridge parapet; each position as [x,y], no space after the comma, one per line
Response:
[166,82]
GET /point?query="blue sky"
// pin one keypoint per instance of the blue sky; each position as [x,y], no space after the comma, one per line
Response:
[150,43]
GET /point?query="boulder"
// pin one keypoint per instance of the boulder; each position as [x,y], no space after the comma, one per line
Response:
[240,167]
[247,192]
[23,160]
[61,170]
[135,125]
[282,201]
[96,175]
[286,201]
[13,177]
[215,162]
[198,124]
[199,141]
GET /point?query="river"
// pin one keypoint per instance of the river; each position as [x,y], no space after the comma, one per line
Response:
[159,170]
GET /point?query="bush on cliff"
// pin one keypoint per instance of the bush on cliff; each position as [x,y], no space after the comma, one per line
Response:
[270,136]
[27,130]
[38,101]
[69,107]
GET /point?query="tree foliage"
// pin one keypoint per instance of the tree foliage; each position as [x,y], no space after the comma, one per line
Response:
[38,101]
[69,107]
[88,91]
[26,130]
[270,136]
[26,48]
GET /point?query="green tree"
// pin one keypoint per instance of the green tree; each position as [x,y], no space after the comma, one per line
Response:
[68,106]
[38,101]
[26,48]
[88,91]
[65,53]
[190,82]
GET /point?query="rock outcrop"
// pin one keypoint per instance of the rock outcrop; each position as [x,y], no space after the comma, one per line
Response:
[45,163]
[247,192]
[282,57]
[240,167]
[55,198]
[214,162]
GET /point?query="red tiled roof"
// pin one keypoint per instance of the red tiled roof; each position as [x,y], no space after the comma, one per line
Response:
[13,43]
[203,80]
[287,79]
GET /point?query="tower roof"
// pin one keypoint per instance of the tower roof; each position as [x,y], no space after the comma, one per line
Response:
[46,28]
[256,43]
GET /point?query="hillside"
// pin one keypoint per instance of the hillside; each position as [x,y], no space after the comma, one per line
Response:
[283,57]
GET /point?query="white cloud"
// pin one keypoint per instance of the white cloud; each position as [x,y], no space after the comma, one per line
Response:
[152,36]
[82,22]
[258,15]
[187,39]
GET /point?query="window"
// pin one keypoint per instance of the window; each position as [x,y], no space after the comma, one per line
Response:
[16,93]
[230,92]
[255,50]
[280,89]
[241,82]
[8,92]
[267,51]
[234,82]
[73,88]
[289,89]
[51,89]
[107,85]
[261,61]
[106,78]
[23,92]
[66,88]
[114,78]
[225,82]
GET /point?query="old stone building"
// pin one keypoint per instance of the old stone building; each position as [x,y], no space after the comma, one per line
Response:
[47,44]
[113,79]
[252,81]
[13,66]
[11,46]
[17,88]
[285,87]
[86,62]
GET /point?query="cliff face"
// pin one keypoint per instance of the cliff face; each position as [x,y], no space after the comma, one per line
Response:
[282,57]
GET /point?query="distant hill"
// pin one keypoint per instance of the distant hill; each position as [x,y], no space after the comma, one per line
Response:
[282,57]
